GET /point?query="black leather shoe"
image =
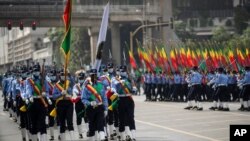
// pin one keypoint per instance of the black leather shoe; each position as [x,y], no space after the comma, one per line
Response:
[241,108]
[188,107]
[199,109]
[245,109]
[87,134]
[212,108]
[195,108]
[220,108]
[51,138]
[128,138]
[226,109]
[80,136]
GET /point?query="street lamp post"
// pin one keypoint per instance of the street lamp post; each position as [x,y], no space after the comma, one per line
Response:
[132,34]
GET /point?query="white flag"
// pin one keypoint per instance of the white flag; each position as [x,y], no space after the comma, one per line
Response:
[102,34]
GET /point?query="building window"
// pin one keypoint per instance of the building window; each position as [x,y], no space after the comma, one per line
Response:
[193,22]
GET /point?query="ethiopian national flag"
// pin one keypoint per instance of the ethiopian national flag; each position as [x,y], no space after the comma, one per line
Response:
[65,46]
[132,59]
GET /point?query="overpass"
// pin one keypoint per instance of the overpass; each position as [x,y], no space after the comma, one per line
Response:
[85,13]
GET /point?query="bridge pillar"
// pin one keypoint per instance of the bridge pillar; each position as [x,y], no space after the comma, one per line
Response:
[93,33]
[116,44]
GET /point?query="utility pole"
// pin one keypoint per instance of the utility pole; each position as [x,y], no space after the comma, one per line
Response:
[132,34]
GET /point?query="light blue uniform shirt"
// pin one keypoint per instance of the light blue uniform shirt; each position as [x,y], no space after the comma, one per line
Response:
[57,93]
[232,79]
[177,79]
[246,78]
[147,79]
[29,88]
[195,78]
[86,95]
[158,79]
[221,80]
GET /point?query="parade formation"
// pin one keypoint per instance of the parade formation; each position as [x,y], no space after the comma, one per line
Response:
[100,99]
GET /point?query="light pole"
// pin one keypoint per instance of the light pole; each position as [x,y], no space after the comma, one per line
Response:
[132,34]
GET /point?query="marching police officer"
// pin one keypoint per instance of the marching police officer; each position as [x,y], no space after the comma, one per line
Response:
[194,80]
[123,88]
[220,83]
[245,84]
[153,85]
[50,84]
[106,81]
[62,94]
[23,113]
[147,82]
[5,86]
[177,86]
[79,106]
[35,92]
[93,96]
[159,86]
[232,84]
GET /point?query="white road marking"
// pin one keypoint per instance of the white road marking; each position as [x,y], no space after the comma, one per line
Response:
[211,130]
[176,130]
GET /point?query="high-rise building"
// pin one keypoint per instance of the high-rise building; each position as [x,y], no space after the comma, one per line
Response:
[19,45]
[202,16]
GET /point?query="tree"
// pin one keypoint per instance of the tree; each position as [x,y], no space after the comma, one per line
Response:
[221,35]
[79,51]
[241,17]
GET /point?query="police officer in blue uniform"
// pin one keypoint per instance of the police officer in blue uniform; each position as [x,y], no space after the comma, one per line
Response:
[147,82]
[194,80]
[106,79]
[209,90]
[16,91]
[245,84]
[184,88]
[93,96]
[177,86]
[5,86]
[220,83]
[232,84]
[62,94]
[163,86]
[24,124]
[35,92]
[171,86]
[153,85]
[123,88]
[159,86]
[79,106]
[50,84]
[9,93]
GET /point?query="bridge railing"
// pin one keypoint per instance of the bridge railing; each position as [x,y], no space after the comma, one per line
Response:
[33,11]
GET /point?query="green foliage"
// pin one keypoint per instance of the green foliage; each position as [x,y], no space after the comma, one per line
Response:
[241,17]
[221,34]
[181,30]
[79,51]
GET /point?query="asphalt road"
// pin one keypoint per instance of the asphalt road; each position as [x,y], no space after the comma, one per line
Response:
[162,121]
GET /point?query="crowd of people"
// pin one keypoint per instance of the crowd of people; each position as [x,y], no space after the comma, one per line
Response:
[102,99]
[219,86]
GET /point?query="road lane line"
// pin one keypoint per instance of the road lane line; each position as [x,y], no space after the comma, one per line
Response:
[211,130]
[176,130]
